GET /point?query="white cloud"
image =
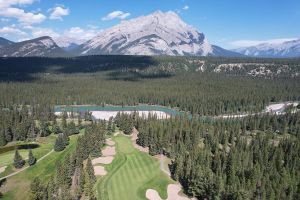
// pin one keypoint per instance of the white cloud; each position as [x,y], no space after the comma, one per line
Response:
[39,32]
[12,32]
[8,3]
[116,15]
[248,43]
[58,12]
[6,10]
[186,7]
[80,34]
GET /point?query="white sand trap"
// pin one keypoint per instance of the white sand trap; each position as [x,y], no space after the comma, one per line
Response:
[109,151]
[134,134]
[117,133]
[140,148]
[173,192]
[103,160]
[152,195]
[2,169]
[99,170]
[110,142]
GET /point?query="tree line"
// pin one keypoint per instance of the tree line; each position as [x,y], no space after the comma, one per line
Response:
[74,175]
[250,158]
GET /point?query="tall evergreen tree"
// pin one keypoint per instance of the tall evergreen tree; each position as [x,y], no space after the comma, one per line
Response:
[31,158]
[60,143]
[37,190]
[3,141]
[18,160]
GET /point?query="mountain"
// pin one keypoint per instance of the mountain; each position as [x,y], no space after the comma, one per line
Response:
[278,50]
[218,51]
[156,34]
[4,42]
[42,46]
[67,43]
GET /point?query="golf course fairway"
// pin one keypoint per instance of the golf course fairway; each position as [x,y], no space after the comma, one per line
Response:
[130,174]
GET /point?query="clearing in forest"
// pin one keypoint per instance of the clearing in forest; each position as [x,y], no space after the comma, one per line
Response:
[130,174]
[18,186]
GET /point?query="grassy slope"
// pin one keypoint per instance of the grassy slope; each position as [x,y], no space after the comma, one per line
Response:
[131,174]
[46,145]
[18,187]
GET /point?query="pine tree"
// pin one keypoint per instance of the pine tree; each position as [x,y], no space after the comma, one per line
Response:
[96,150]
[31,158]
[37,190]
[8,134]
[64,120]
[60,143]
[113,129]
[66,139]
[18,160]
[90,180]
[3,141]
[71,129]
[90,171]
[79,120]
[56,129]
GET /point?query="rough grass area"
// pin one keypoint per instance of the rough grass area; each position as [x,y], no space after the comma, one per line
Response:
[18,186]
[131,173]
[45,145]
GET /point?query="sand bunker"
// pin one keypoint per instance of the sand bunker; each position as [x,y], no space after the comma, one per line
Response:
[173,193]
[140,148]
[99,170]
[103,160]
[109,151]
[152,195]
[110,142]
[2,169]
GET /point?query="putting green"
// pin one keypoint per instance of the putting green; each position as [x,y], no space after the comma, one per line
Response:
[130,174]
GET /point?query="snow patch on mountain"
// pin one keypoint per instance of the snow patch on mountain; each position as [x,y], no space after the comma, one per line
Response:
[284,49]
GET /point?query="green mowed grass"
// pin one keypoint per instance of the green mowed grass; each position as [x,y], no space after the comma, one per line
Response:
[131,174]
[45,145]
[18,186]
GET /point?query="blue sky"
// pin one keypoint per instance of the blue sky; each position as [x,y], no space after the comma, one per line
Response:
[227,23]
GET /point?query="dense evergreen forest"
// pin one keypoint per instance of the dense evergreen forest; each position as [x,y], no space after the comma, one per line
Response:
[30,87]
[252,158]
[129,80]
[74,175]
[256,157]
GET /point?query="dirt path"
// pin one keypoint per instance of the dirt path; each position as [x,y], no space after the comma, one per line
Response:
[23,169]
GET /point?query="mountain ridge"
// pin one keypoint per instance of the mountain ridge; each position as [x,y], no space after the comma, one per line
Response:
[158,33]
[5,42]
[273,50]
[42,46]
